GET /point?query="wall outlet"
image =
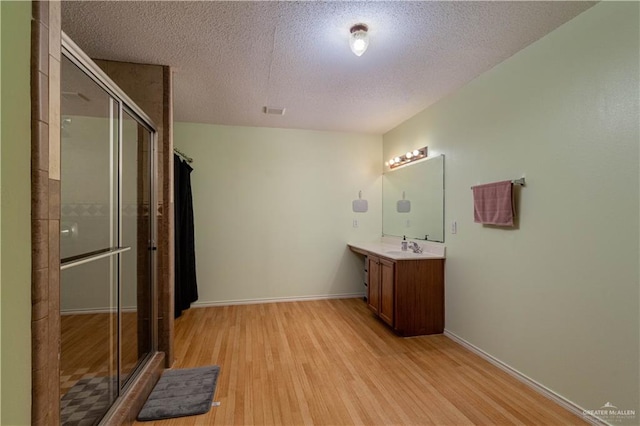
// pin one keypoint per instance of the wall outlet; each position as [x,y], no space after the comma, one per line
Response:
[454,227]
[355,223]
[408,223]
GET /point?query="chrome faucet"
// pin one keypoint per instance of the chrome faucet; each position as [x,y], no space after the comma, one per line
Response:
[415,247]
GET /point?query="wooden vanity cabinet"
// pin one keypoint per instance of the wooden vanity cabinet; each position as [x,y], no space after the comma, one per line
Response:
[407,294]
[387,285]
[373,287]
[419,297]
[381,286]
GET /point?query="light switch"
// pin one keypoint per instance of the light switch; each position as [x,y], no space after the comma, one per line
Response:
[454,227]
[408,223]
[355,223]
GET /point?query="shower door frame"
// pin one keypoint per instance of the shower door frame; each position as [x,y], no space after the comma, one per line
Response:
[125,104]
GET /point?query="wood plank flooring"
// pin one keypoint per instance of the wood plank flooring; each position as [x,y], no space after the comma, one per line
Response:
[88,347]
[331,362]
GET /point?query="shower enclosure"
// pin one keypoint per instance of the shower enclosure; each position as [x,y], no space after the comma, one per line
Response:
[107,241]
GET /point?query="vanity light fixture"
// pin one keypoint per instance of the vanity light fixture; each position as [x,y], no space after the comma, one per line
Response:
[359,39]
[416,154]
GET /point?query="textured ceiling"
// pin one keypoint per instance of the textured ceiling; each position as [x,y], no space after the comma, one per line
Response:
[233,58]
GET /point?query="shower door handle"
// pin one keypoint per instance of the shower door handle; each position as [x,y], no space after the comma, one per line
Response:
[69,230]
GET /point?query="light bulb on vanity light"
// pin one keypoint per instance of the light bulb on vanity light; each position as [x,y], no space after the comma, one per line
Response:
[391,162]
[396,160]
[408,154]
[416,152]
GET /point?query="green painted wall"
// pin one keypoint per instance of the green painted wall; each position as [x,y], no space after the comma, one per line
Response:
[556,298]
[15,213]
[300,199]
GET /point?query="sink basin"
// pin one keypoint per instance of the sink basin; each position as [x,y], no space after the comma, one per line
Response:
[399,252]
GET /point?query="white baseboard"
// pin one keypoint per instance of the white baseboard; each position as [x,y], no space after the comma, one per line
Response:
[275,300]
[545,391]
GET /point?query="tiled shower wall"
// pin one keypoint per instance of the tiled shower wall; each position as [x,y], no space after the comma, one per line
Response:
[150,87]
[45,211]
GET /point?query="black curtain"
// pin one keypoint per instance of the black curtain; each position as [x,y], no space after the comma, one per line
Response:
[186,286]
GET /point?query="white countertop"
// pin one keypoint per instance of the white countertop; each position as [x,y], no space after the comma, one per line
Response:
[391,249]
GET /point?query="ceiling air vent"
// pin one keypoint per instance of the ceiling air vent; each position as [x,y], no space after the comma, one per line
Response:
[269,110]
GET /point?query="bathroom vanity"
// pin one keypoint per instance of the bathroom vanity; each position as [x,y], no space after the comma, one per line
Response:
[405,289]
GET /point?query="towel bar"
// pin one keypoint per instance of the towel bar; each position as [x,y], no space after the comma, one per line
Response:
[520,182]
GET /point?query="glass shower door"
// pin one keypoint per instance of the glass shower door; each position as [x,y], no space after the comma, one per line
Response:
[106,244]
[88,248]
[135,273]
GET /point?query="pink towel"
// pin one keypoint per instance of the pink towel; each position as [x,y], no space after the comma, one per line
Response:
[493,203]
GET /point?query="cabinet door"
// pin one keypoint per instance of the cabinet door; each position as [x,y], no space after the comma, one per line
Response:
[387,298]
[373,297]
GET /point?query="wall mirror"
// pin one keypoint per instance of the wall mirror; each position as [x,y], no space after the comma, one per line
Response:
[413,200]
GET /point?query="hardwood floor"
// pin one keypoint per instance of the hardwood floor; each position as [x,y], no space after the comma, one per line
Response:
[88,347]
[331,362]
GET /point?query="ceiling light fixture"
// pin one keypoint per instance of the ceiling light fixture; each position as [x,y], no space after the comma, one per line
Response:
[359,39]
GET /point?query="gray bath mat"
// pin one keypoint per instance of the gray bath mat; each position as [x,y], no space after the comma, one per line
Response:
[181,393]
